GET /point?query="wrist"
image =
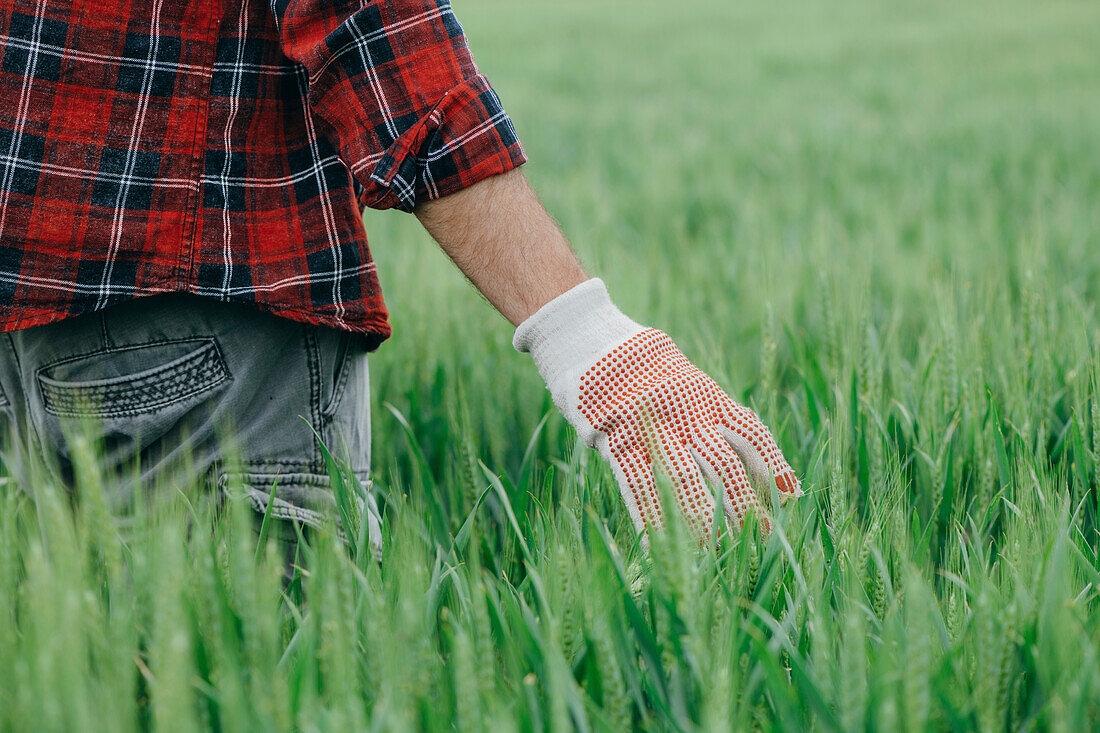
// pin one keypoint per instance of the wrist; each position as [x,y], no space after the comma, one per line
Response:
[573,331]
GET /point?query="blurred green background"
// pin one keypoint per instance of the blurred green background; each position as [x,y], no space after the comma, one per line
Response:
[727,166]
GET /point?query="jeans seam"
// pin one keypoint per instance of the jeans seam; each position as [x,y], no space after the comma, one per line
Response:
[313,365]
[107,344]
[129,347]
[341,380]
[31,427]
[259,497]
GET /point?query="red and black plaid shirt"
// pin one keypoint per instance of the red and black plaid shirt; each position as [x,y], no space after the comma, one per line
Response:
[225,147]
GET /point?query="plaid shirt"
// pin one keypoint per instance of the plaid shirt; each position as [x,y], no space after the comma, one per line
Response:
[225,149]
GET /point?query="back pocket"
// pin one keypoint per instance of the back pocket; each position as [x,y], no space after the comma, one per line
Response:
[132,381]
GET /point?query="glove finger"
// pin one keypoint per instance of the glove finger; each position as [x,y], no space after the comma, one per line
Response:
[754,444]
[725,471]
[637,461]
[634,474]
[674,459]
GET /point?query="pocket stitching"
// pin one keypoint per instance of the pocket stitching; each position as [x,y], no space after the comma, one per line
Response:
[64,399]
[131,347]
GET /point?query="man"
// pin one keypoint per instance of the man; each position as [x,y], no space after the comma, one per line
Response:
[182,250]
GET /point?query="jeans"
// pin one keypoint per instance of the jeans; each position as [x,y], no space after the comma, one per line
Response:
[168,381]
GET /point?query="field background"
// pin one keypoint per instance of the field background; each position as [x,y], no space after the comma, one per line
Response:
[878,223]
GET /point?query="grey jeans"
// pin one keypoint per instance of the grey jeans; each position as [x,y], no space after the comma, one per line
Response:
[167,380]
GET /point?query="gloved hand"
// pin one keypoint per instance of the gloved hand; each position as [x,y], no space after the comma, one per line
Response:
[635,398]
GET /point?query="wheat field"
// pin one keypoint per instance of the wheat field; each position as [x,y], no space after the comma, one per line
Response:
[876,223]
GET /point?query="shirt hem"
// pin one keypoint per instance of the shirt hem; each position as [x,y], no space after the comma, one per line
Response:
[373,329]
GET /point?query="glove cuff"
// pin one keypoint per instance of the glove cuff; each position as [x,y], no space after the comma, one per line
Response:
[571,333]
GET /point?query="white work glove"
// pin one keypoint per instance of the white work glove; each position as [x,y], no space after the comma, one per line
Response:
[635,398]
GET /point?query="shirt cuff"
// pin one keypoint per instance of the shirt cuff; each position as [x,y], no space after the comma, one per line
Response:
[465,138]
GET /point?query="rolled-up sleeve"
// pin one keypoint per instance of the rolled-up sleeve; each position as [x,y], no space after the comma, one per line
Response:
[393,86]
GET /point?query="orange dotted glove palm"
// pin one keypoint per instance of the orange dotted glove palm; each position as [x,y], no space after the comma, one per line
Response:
[636,399]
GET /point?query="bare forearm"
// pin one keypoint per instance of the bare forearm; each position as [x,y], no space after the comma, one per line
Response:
[505,242]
